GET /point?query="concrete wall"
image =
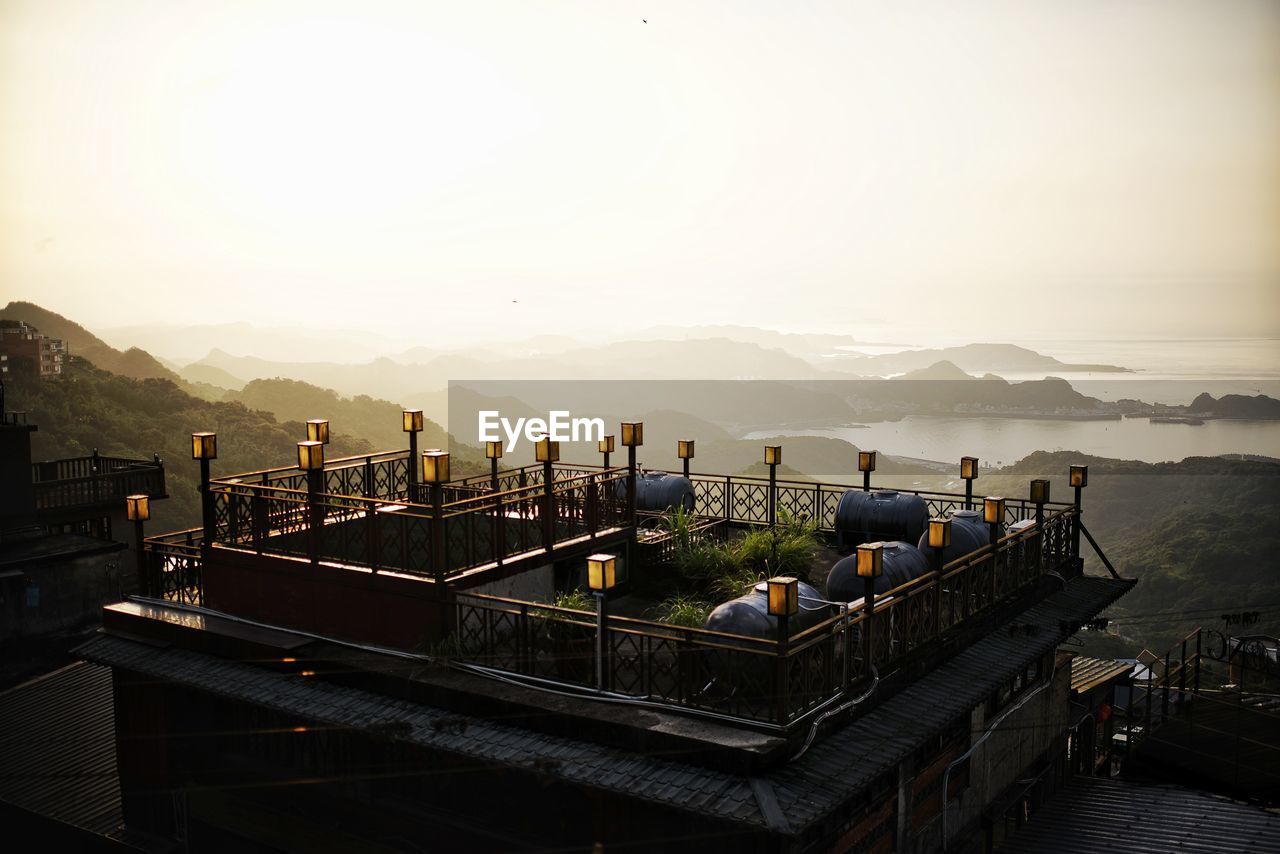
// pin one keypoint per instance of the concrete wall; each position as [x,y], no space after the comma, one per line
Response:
[1017,742]
[533,585]
[60,589]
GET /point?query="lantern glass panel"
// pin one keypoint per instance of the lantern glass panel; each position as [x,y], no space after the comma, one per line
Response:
[435,466]
[784,596]
[993,510]
[310,455]
[602,572]
[493,450]
[606,445]
[684,449]
[204,446]
[772,455]
[547,451]
[866,460]
[1080,476]
[870,560]
[1039,491]
[632,434]
[968,468]
[412,421]
[939,533]
[137,508]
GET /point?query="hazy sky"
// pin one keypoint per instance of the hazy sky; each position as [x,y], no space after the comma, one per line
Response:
[883,169]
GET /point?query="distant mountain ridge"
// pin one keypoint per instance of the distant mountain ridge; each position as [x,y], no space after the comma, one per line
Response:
[972,358]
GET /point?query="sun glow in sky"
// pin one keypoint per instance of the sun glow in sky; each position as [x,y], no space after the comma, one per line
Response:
[884,170]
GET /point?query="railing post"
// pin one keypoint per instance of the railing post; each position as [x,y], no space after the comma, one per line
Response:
[594,485]
[602,643]
[439,554]
[1164,679]
[781,682]
[261,518]
[1196,688]
[548,507]
[1182,675]
[868,631]
[368,478]
[631,485]
[93,476]
[315,517]
[773,496]
[206,505]
[144,581]
[372,546]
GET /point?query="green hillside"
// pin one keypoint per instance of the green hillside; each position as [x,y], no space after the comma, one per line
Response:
[122,416]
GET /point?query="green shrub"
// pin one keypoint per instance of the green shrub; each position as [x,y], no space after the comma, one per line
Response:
[685,610]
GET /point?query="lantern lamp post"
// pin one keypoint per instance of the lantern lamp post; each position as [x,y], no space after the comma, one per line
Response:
[684,450]
[866,465]
[204,447]
[632,438]
[137,509]
[602,577]
[784,602]
[311,461]
[411,422]
[969,473]
[1079,479]
[772,458]
[939,540]
[547,452]
[870,567]
[993,508]
[435,473]
[493,450]
[606,447]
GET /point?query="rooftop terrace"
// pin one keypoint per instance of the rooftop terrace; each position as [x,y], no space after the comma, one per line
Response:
[363,550]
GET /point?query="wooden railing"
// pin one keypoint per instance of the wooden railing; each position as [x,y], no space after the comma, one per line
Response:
[469,529]
[94,480]
[173,567]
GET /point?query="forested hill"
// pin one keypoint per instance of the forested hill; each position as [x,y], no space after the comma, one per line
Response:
[1200,534]
[127,417]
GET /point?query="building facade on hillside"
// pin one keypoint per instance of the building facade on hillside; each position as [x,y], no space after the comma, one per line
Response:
[24,350]
[67,544]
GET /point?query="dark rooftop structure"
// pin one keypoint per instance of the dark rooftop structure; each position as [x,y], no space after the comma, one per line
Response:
[365,651]
[1096,814]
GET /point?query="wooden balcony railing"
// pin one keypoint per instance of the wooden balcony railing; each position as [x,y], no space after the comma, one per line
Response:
[88,482]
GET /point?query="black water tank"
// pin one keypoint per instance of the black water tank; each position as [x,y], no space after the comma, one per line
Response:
[749,614]
[658,492]
[968,534]
[885,515]
[902,562]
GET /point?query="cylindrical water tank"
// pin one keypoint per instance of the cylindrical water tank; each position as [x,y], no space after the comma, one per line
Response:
[901,563]
[749,613]
[885,515]
[658,492]
[968,534]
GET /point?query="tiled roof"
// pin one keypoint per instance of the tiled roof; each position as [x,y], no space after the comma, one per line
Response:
[1088,673]
[58,748]
[1097,814]
[835,768]
[663,781]
[847,760]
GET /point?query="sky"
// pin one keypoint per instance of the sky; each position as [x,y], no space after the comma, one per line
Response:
[443,170]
